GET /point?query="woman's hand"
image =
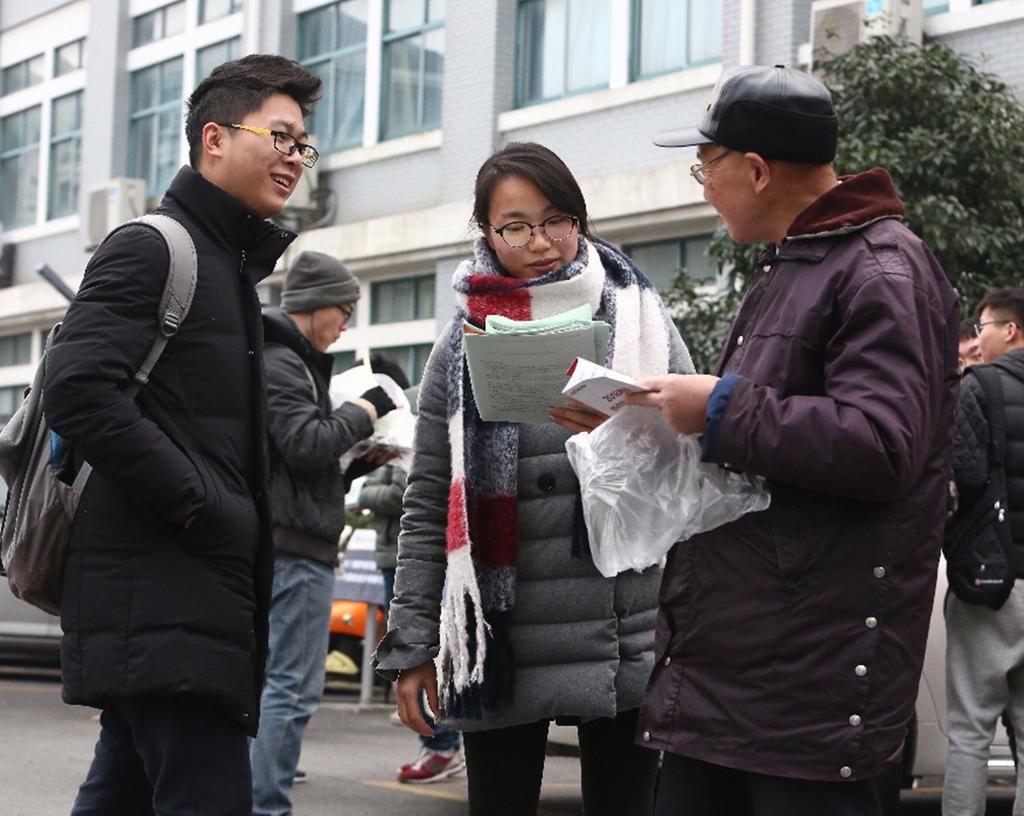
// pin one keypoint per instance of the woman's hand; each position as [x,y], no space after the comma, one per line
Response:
[576,417]
[410,683]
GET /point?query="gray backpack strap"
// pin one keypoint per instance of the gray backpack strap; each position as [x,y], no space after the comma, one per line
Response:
[179,290]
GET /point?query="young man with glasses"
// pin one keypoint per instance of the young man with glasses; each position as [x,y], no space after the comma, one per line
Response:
[985,647]
[307,506]
[790,642]
[167,584]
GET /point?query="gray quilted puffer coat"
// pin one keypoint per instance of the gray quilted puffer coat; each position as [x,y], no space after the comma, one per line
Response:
[583,643]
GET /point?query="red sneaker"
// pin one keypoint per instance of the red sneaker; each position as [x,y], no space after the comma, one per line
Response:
[432,766]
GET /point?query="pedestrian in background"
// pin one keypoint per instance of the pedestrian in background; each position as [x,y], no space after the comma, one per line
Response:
[492,512]
[167,584]
[307,502]
[968,350]
[790,642]
[985,647]
[440,756]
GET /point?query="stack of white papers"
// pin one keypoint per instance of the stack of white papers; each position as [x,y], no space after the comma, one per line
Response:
[517,368]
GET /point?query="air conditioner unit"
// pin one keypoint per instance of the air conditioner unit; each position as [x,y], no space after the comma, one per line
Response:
[110,204]
[839,25]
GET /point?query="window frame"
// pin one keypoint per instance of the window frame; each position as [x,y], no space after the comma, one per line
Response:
[682,244]
[388,39]
[417,281]
[154,184]
[161,15]
[234,6]
[636,43]
[23,65]
[325,108]
[56,140]
[80,43]
[20,155]
[521,50]
[234,44]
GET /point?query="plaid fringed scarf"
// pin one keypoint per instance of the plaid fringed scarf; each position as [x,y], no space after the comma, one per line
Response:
[475,662]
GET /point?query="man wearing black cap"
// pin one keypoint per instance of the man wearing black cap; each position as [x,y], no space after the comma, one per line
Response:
[790,642]
[307,504]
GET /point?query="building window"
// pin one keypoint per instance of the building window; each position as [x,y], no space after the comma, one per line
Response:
[564,48]
[674,34]
[211,56]
[68,58]
[154,126]
[19,167]
[343,361]
[405,299]
[935,6]
[65,154]
[413,66]
[23,74]
[16,349]
[215,9]
[158,24]
[332,44]
[11,397]
[661,261]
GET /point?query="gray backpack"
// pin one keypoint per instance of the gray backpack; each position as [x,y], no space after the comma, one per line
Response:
[40,505]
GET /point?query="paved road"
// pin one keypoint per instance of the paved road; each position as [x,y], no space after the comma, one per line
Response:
[350,756]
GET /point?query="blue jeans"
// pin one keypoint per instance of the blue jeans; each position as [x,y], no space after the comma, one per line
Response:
[300,614]
[444,739]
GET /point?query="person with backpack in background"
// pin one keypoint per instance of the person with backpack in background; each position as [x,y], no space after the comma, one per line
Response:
[985,646]
[167,583]
[307,506]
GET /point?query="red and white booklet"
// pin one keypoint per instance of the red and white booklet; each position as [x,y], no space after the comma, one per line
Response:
[599,387]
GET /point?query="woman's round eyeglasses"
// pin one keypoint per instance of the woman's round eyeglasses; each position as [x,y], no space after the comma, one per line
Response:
[518,234]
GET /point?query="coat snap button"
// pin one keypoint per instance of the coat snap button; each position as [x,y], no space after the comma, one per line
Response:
[647,736]
[871,623]
[667,661]
[546,482]
[879,572]
[739,340]
[855,720]
[860,670]
[846,772]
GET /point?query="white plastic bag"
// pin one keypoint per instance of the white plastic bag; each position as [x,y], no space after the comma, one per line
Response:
[644,488]
[393,432]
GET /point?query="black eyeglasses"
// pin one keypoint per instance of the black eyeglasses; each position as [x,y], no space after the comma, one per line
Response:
[283,143]
[347,312]
[980,324]
[700,171]
[518,234]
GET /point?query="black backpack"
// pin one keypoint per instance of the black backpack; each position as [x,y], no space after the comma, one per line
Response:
[981,559]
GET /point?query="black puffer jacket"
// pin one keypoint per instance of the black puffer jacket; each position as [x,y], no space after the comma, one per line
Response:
[307,438]
[149,607]
[970,450]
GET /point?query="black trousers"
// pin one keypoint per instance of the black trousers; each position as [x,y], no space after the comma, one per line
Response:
[689,787]
[167,756]
[505,767]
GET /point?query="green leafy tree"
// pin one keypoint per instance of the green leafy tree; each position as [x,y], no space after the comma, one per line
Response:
[951,135]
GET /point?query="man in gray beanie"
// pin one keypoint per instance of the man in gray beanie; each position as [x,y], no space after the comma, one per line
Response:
[307,502]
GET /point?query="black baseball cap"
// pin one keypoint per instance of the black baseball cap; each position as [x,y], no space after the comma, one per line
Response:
[777,112]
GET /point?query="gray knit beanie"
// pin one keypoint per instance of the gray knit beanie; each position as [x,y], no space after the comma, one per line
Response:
[316,280]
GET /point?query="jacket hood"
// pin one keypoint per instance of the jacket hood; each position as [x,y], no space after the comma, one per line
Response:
[1012,361]
[851,205]
[279,328]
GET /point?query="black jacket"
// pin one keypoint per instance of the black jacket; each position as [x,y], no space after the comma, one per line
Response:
[149,607]
[970,450]
[307,438]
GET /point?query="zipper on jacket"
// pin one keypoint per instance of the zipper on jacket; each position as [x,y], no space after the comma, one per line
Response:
[241,265]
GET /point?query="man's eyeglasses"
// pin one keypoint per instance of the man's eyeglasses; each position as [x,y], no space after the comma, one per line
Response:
[980,324]
[283,143]
[518,234]
[347,312]
[700,171]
